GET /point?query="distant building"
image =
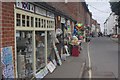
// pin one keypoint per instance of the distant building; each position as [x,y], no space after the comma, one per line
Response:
[111,25]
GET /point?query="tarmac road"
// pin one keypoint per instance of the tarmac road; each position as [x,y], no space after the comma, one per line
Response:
[103,58]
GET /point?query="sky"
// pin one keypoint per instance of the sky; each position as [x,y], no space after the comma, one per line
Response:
[100,10]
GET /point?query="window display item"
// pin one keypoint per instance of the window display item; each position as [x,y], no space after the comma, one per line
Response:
[66,49]
[40,49]
[24,54]
[57,54]
[51,67]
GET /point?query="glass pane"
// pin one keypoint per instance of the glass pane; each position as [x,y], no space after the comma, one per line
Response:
[42,23]
[39,22]
[50,49]
[47,24]
[24,53]
[40,49]
[18,20]
[28,21]
[18,15]
[23,20]
[32,21]
[35,22]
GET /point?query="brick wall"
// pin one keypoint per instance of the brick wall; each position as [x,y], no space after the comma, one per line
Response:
[70,8]
[0,26]
[8,26]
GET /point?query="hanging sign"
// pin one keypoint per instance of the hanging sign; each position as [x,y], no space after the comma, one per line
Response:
[7,62]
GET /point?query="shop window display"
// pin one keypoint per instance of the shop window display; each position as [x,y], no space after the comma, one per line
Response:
[40,49]
[50,49]
[24,53]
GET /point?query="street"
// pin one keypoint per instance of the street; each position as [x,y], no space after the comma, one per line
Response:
[103,58]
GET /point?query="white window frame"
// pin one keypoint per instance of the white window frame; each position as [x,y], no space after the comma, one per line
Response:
[33,29]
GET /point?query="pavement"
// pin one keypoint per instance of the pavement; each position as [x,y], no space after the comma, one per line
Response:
[73,67]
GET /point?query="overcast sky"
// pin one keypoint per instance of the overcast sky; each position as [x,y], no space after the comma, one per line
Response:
[100,10]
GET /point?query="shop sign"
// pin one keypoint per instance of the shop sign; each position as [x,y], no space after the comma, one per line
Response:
[25,6]
[49,14]
[40,11]
[62,20]
[7,62]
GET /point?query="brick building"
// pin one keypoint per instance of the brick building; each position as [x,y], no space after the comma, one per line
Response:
[29,29]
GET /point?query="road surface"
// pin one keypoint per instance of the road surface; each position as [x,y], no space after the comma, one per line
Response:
[103,58]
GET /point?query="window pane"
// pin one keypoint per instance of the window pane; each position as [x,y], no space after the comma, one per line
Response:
[39,22]
[42,23]
[24,53]
[18,20]
[28,21]
[35,22]
[23,20]
[50,49]
[47,24]
[18,15]
[40,49]
[32,21]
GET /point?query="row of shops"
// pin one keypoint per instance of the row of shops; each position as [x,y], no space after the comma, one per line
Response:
[42,37]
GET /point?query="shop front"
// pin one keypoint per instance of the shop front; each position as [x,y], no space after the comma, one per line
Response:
[34,29]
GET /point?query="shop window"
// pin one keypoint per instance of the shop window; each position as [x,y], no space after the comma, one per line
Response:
[18,20]
[24,53]
[50,49]
[40,49]
[32,21]
[23,20]
[28,21]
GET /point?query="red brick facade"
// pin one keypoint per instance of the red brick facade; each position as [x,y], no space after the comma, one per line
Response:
[75,10]
[8,38]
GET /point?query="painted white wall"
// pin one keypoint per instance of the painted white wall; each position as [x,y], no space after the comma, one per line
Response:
[110,24]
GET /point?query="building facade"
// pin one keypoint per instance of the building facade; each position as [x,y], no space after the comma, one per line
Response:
[111,25]
[29,28]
